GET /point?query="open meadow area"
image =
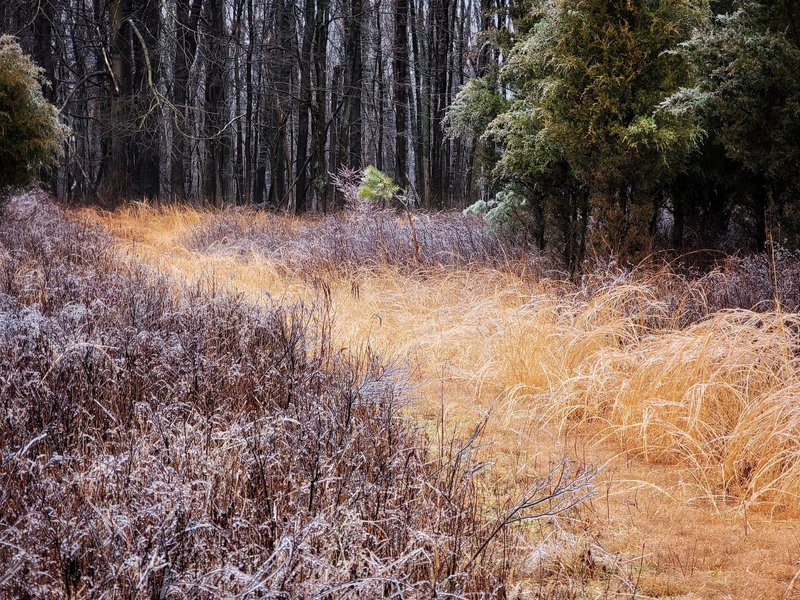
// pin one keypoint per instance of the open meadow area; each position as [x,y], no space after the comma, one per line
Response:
[682,396]
[216,348]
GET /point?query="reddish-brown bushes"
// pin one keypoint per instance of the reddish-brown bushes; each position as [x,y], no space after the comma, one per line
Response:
[162,441]
[364,238]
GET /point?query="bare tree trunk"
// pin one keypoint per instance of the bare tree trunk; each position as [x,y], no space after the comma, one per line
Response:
[319,124]
[401,81]
[353,77]
[218,149]
[335,146]
[379,76]
[43,52]
[248,120]
[144,153]
[421,106]
[304,109]
[440,51]
[187,18]
[119,49]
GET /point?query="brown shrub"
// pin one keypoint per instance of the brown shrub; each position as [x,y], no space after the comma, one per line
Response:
[364,238]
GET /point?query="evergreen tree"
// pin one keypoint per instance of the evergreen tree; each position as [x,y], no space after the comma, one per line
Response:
[747,96]
[583,130]
[29,129]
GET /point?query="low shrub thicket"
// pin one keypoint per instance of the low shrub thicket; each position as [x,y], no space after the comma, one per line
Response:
[369,238]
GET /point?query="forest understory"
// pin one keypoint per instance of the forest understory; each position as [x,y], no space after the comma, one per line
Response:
[177,383]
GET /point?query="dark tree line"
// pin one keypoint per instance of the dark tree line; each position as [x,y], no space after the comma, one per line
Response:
[631,125]
[256,101]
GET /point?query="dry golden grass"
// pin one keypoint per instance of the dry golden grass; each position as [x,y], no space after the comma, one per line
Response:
[698,427]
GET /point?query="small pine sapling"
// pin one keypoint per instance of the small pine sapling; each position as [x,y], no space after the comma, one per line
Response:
[377,187]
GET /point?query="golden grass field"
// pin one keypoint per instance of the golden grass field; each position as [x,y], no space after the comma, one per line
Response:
[696,429]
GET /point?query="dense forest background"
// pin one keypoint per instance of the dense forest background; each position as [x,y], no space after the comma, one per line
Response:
[252,101]
[626,124]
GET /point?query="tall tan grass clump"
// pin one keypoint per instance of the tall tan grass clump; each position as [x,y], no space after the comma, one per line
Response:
[717,396]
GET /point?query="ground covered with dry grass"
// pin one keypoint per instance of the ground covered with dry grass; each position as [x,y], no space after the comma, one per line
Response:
[680,383]
[696,368]
[167,438]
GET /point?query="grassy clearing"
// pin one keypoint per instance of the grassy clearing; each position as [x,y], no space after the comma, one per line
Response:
[700,370]
[682,385]
[166,439]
